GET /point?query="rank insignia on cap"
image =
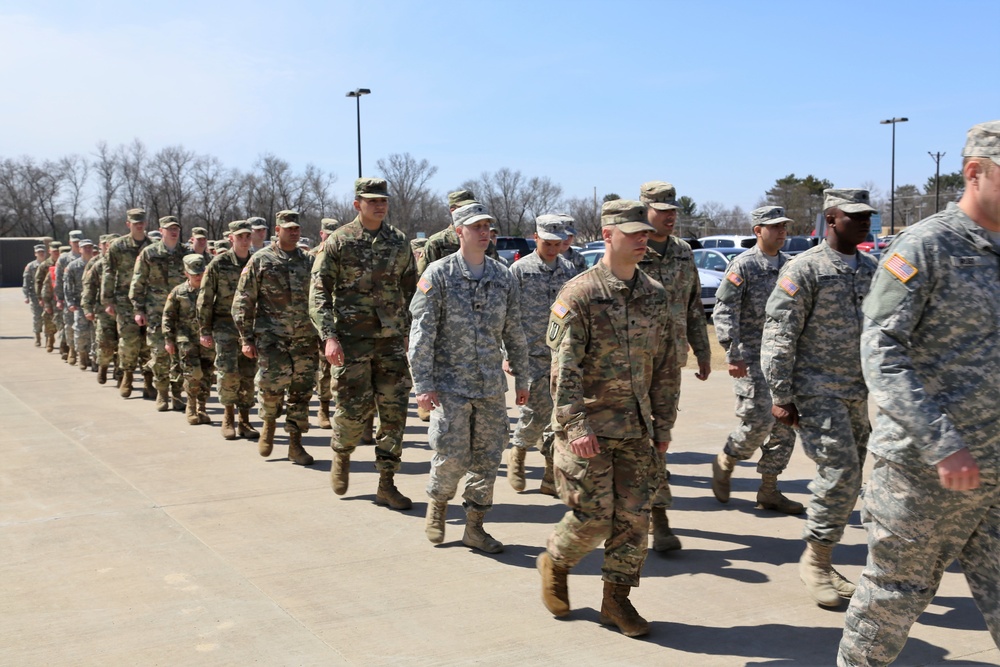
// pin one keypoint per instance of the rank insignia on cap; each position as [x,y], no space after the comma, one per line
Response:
[787,285]
[559,309]
[734,278]
[900,268]
[424,285]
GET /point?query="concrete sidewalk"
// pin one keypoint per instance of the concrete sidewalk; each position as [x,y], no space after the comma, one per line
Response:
[128,537]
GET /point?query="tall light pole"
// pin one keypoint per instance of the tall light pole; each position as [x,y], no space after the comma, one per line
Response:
[937,178]
[357,95]
[892,205]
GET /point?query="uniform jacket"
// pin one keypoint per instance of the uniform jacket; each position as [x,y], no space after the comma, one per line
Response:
[540,285]
[157,271]
[218,287]
[118,269]
[272,297]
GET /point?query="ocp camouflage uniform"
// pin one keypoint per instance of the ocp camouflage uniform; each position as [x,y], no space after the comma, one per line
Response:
[444,243]
[739,324]
[115,281]
[459,324]
[28,289]
[361,285]
[234,370]
[324,373]
[83,329]
[613,376]
[810,357]
[68,320]
[931,355]
[105,329]
[158,270]
[271,311]
[43,275]
[181,327]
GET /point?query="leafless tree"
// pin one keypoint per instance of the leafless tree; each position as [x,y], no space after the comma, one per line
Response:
[132,165]
[586,217]
[514,200]
[74,171]
[407,179]
[109,177]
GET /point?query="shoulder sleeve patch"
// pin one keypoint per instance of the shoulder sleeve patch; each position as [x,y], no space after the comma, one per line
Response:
[899,267]
[734,278]
[559,309]
[424,285]
[246,269]
[787,285]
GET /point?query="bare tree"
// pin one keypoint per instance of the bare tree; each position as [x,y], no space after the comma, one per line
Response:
[514,200]
[132,166]
[109,178]
[586,217]
[18,213]
[408,186]
[216,195]
[74,170]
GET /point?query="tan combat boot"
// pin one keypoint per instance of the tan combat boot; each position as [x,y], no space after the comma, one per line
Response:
[102,374]
[147,385]
[323,414]
[191,412]
[50,342]
[663,538]
[38,339]
[162,400]
[476,536]
[617,610]
[722,472]
[515,468]
[770,498]
[176,398]
[203,417]
[228,423]
[84,361]
[815,572]
[555,592]
[296,453]
[266,442]
[437,510]
[71,355]
[340,472]
[548,486]
[125,388]
[388,494]
[244,427]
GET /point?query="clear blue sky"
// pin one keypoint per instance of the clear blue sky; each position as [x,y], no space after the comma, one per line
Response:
[720,98]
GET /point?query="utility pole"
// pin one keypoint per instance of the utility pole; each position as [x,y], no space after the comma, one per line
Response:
[937,179]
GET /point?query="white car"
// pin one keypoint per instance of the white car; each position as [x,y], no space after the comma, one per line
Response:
[728,241]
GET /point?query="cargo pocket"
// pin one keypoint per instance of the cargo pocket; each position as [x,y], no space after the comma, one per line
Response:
[570,471]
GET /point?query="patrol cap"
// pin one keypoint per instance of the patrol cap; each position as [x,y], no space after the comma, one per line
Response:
[659,195]
[169,221]
[286,219]
[84,242]
[257,223]
[240,227]
[63,249]
[568,223]
[329,224]
[984,141]
[848,200]
[40,247]
[768,215]
[550,227]
[626,214]
[75,235]
[155,235]
[194,264]
[199,233]
[460,198]
[54,245]
[222,246]
[136,215]
[371,188]
[111,237]
[470,214]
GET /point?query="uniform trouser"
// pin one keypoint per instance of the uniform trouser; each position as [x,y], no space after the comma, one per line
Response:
[536,417]
[662,496]
[916,529]
[49,321]
[324,375]
[758,428]
[468,436]
[162,364]
[608,496]
[36,316]
[83,330]
[286,367]
[68,323]
[196,364]
[375,376]
[834,434]
[234,370]
[132,347]
[106,333]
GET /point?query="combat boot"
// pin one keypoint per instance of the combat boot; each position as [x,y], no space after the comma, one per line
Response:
[388,494]
[617,610]
[476,536]
[323,414]
[515,468]
[125,388]
[50,342]
[148,392]
[176,398]
[245,429]
[548,486]
[191,412]
[38,339]
[71,355]
[815,572]
[555,592]
[162,400]
[64,349]
[437,510]
[340,472]
[663,538]
[228,423]
[203,417]
[296,453]
[266,442]
[84,361]
[102,374]
[770,498]
[722,473]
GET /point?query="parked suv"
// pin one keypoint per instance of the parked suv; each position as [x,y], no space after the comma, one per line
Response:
[512,248]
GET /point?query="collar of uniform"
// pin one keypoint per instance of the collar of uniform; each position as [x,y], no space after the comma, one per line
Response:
[964,223]
[489,271]
[761,258]
[614,282]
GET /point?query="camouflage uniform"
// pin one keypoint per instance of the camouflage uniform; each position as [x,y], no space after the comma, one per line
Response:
[44,274]
[444,243]
[810,357]
[28,288]
[931,355]
[614,376]
[324,374]
[361,284]
[118,268]
[181,327]
[83,329]
[105,330]
[158,270]
[459,324]
[66,322]
[575,259]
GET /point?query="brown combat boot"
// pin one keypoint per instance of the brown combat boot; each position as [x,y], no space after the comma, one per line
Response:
[64,348]
[244,427]
[102,374]
[176,397]
[515,468]
[162,400]
[663,538]
[555,592]
[84,362]
[38,339]
[476,536]
[722,473]
[203,417]
[191,412]
[148,392]
[125,388]
[388,494]
[71,355]
[770,498]
[340,472]
[815,571]
[548,486]
[617,610]
[437,510]
[228,424]
[296,453]
[50,342]
[266,442]
[323,414]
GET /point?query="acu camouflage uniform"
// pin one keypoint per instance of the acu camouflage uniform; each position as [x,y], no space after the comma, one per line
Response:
[105,329]
[157,271]
[181,326]
[67,324]
[931,355]
[118,269]
[614,375]
[810,357]
[28,289]
[83,329]
[575,259]
[444,243]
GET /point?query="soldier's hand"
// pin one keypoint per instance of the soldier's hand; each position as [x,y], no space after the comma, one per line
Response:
[428,401]
[110,310]
[521,396]
[333,352]
[250,351]
[48,310]
[787,414]
[704,370]
[90,317]
[585,447]
[959,472]
[72,309]
[662,446]
[170,348]
[140,319]
[59,305]
[27,300]
[738,369]
[506,368]
[207,341]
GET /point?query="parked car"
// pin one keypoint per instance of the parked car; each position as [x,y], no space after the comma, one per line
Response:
[796,244]
[731,241]
[715,259]
[592,255]
[513,248]
[590,245]
[873,245]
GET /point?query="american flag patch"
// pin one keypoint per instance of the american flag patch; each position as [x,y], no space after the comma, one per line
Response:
[559,309]
[424,285]
[787,285]
[900,268]
[734,278]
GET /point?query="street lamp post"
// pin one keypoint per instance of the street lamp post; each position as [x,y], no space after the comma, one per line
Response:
[356,94]
[892,205]
[937,178]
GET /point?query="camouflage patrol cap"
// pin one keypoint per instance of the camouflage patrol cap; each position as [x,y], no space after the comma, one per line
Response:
[75,235]
[257,223]
[768,215]
[84,242]
[550,227]
[329,224]
[111,237]
[371,188]
[63,249]
[659,195]
[460,198]
[194,264]
[470,214]
[626,214]
[136,215]
[199,233]
[40,247]
[54,245]
[240,227]
[286,219]
[169,221]
[848,200]
[156,235]
[222,246]
[568,223]
[984,141]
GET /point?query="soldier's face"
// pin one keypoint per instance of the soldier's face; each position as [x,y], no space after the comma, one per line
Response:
[195,279]
[288,237]
[771,237]
[53,255]
[373,209]
[626,248]
[664,221]
[137,228]
[87,251]
[548,250]
[171,234]
[198,244]
[476,235]
[851,228]
[257,236]
[40,255]
[987,193]
[241,242]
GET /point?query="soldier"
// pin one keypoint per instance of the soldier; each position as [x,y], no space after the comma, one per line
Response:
[467,306]
[323,376]
[362,282]
[180,339]
[810,359]
[931,354]
[614,386]
[258,234]
[669,260]
[198,243]
[28,288]
[158,269]
[45,275]
[739,324]
[105,328]
[539,275]
[571,254]
[271,313]
[235,371]
[115,281]
[83,329]
[64,317]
